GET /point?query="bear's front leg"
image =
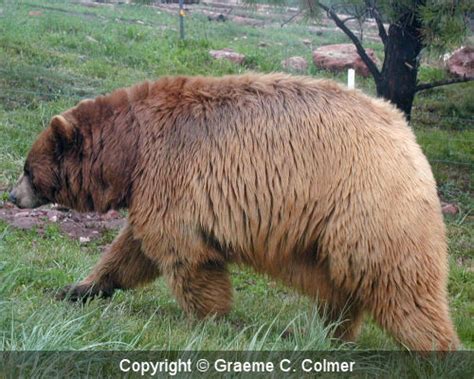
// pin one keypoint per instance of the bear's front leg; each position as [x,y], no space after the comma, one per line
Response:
[202,289]
[122,266]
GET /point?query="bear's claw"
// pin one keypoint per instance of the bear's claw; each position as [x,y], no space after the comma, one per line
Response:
[81,293]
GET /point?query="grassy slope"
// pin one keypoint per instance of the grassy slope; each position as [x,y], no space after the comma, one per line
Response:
[48,62]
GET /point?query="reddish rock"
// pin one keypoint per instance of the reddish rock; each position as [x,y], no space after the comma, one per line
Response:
[342,57]
[461,62]
[298,64]
[228,54]
[111,215]
[449,209]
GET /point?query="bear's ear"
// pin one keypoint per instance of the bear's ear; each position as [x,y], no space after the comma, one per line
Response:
[63,132]
[62,129]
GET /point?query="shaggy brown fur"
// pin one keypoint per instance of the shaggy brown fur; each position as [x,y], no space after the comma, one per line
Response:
[321,187]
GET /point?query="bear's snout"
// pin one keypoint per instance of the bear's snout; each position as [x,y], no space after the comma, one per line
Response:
[23,195]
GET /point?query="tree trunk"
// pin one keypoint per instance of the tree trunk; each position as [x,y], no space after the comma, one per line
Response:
[398,79]
[397,82]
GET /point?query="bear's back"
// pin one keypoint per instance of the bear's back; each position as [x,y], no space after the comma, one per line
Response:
[267,162]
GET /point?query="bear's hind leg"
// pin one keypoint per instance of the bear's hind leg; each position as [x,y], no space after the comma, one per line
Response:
[418,320]
[122,266]
[202,289]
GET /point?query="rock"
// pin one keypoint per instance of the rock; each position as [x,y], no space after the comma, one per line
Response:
[111,215]
[84,239]
[53,218]
[228,54]
[320,30]
[340,57]
[461,62]
[219,18]
[449,209]
[22,214]
[298,64]
[307,42]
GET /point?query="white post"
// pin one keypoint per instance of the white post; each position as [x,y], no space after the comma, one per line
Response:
[351,78]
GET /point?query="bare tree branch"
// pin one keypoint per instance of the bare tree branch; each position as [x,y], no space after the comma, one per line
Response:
[290,19]
[348,19]
[378,20]
[360,49]
[439,83]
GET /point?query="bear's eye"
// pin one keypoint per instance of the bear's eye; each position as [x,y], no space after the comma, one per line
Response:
[26,170]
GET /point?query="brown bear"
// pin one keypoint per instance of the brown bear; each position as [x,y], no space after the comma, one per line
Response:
[321,187]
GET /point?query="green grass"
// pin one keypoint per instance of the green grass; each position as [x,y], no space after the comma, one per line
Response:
[69,52]
[33,267]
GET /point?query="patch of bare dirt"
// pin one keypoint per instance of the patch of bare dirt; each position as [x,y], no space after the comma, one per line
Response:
[84,227]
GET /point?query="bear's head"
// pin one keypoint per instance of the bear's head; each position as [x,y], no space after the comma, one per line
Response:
[42,180]
[85,159]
